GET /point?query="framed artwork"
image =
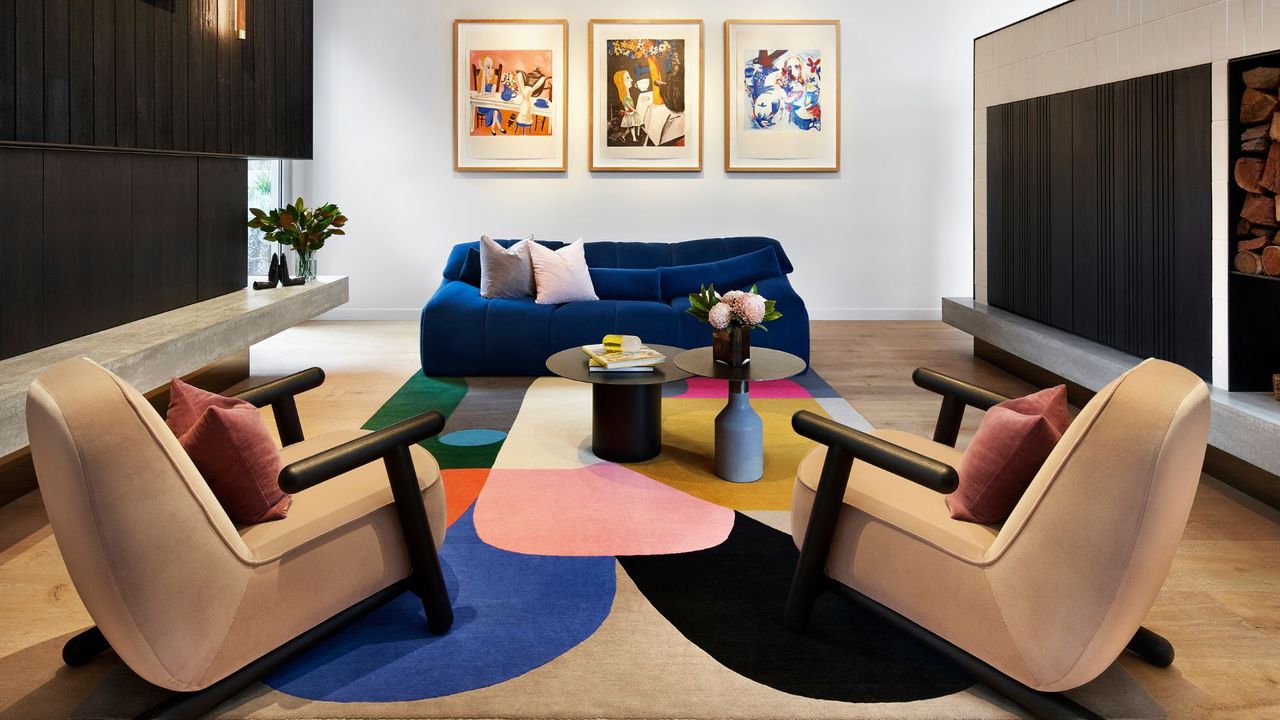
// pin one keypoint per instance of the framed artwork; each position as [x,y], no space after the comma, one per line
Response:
[782,95]
[509,95]
[645,95]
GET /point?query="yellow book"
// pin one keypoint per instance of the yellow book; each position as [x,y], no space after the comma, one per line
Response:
[601,357]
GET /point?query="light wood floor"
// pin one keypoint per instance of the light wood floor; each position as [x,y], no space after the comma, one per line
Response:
[1220,606]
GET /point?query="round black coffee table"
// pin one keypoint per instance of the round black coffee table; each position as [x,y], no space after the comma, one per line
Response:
[739,429]
[626,407]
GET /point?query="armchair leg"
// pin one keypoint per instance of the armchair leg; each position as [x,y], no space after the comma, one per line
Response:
[83,648]
[427,579]
[811,570]
[1151,647]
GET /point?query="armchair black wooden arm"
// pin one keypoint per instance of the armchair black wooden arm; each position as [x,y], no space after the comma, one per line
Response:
[279,395]
[391,445]
[956,395]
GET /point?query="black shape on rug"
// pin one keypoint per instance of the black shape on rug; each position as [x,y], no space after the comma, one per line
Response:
[728,600]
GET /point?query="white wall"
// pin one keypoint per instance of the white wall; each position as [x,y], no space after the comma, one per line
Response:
[884,238]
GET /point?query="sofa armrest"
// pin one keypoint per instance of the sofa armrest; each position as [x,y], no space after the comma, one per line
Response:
[389,444]
[956,395]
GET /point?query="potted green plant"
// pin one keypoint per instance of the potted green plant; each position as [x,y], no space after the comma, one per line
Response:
[732,317]
[303,229]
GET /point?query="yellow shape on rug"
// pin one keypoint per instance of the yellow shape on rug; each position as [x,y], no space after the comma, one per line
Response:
[687,461]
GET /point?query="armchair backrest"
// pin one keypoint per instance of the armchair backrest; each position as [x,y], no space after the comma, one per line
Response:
[155,559]
[1081,559]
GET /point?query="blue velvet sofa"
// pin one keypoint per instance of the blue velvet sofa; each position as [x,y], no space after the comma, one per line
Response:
[643,290]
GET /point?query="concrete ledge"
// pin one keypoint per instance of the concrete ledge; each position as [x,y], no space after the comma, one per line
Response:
[148,352]
[1244,425]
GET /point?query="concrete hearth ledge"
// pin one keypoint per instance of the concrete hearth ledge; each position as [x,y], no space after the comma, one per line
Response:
[1242,424]
[150,351]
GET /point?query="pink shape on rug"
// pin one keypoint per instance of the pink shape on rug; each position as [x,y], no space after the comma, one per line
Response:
[603,509]
[701,388]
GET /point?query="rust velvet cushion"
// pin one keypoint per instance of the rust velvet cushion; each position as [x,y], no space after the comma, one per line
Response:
[1005,454]
[187,404]
[233,450]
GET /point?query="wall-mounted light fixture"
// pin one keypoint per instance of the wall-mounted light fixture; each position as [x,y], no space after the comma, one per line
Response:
[241,22]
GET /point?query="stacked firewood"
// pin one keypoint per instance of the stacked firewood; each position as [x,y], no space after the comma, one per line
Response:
[1257,173]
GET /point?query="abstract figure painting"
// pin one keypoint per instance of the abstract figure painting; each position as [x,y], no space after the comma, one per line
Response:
[782,95]
[646,94]
[782,90]
[509,94]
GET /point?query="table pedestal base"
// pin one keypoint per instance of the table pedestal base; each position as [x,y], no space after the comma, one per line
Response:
[626,422]
[739,438]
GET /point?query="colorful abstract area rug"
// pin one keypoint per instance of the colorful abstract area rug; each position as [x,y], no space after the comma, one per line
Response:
[586,589]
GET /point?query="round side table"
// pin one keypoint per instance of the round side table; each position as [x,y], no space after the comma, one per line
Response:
[739,429]
[626,407]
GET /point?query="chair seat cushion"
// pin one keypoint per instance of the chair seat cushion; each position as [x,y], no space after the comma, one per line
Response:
[903,504]
[343,501]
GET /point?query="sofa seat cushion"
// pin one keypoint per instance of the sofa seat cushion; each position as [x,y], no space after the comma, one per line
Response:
[903,504]
[344,501]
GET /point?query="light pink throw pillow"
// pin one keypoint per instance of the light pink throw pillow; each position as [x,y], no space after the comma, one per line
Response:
[1006,452]
[562,275]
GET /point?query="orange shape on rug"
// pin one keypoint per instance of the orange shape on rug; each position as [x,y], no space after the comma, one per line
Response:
[461,488]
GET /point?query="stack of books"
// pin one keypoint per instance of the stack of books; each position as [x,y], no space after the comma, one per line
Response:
[622,354]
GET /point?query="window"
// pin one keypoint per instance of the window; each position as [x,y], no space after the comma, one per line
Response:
[265,192]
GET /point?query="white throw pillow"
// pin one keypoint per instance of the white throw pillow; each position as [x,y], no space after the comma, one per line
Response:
[505,272]
[561,275]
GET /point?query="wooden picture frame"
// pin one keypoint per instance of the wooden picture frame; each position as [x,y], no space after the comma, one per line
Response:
[782,107]
[500,125]
[641,136]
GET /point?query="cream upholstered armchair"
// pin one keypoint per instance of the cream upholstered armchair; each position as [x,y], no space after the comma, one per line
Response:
[188,600]
[1050,599]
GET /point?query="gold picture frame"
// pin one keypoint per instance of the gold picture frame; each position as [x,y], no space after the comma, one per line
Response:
[474,153]
[602,156]
[735,122]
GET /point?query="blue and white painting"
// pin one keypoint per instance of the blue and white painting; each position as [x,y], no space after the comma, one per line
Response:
[782,90]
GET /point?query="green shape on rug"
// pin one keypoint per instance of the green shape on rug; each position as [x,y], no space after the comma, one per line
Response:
[420,394]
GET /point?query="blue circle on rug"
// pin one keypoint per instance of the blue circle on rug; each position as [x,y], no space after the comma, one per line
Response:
[473,438]
[512,613]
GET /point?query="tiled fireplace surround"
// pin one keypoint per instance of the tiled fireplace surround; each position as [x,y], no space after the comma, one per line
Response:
[1083,43]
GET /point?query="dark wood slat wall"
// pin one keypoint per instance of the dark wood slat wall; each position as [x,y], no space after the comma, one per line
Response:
[21,276]
[171,101]
[168,75]
[221,213]
[97,239]
[1099,217]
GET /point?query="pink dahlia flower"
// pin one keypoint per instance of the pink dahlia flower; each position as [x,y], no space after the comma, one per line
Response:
[750,308]
[719,316]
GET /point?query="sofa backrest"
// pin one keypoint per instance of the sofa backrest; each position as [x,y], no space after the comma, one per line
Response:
[643,255]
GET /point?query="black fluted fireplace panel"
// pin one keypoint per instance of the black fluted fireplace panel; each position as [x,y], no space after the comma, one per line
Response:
[1099,214]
